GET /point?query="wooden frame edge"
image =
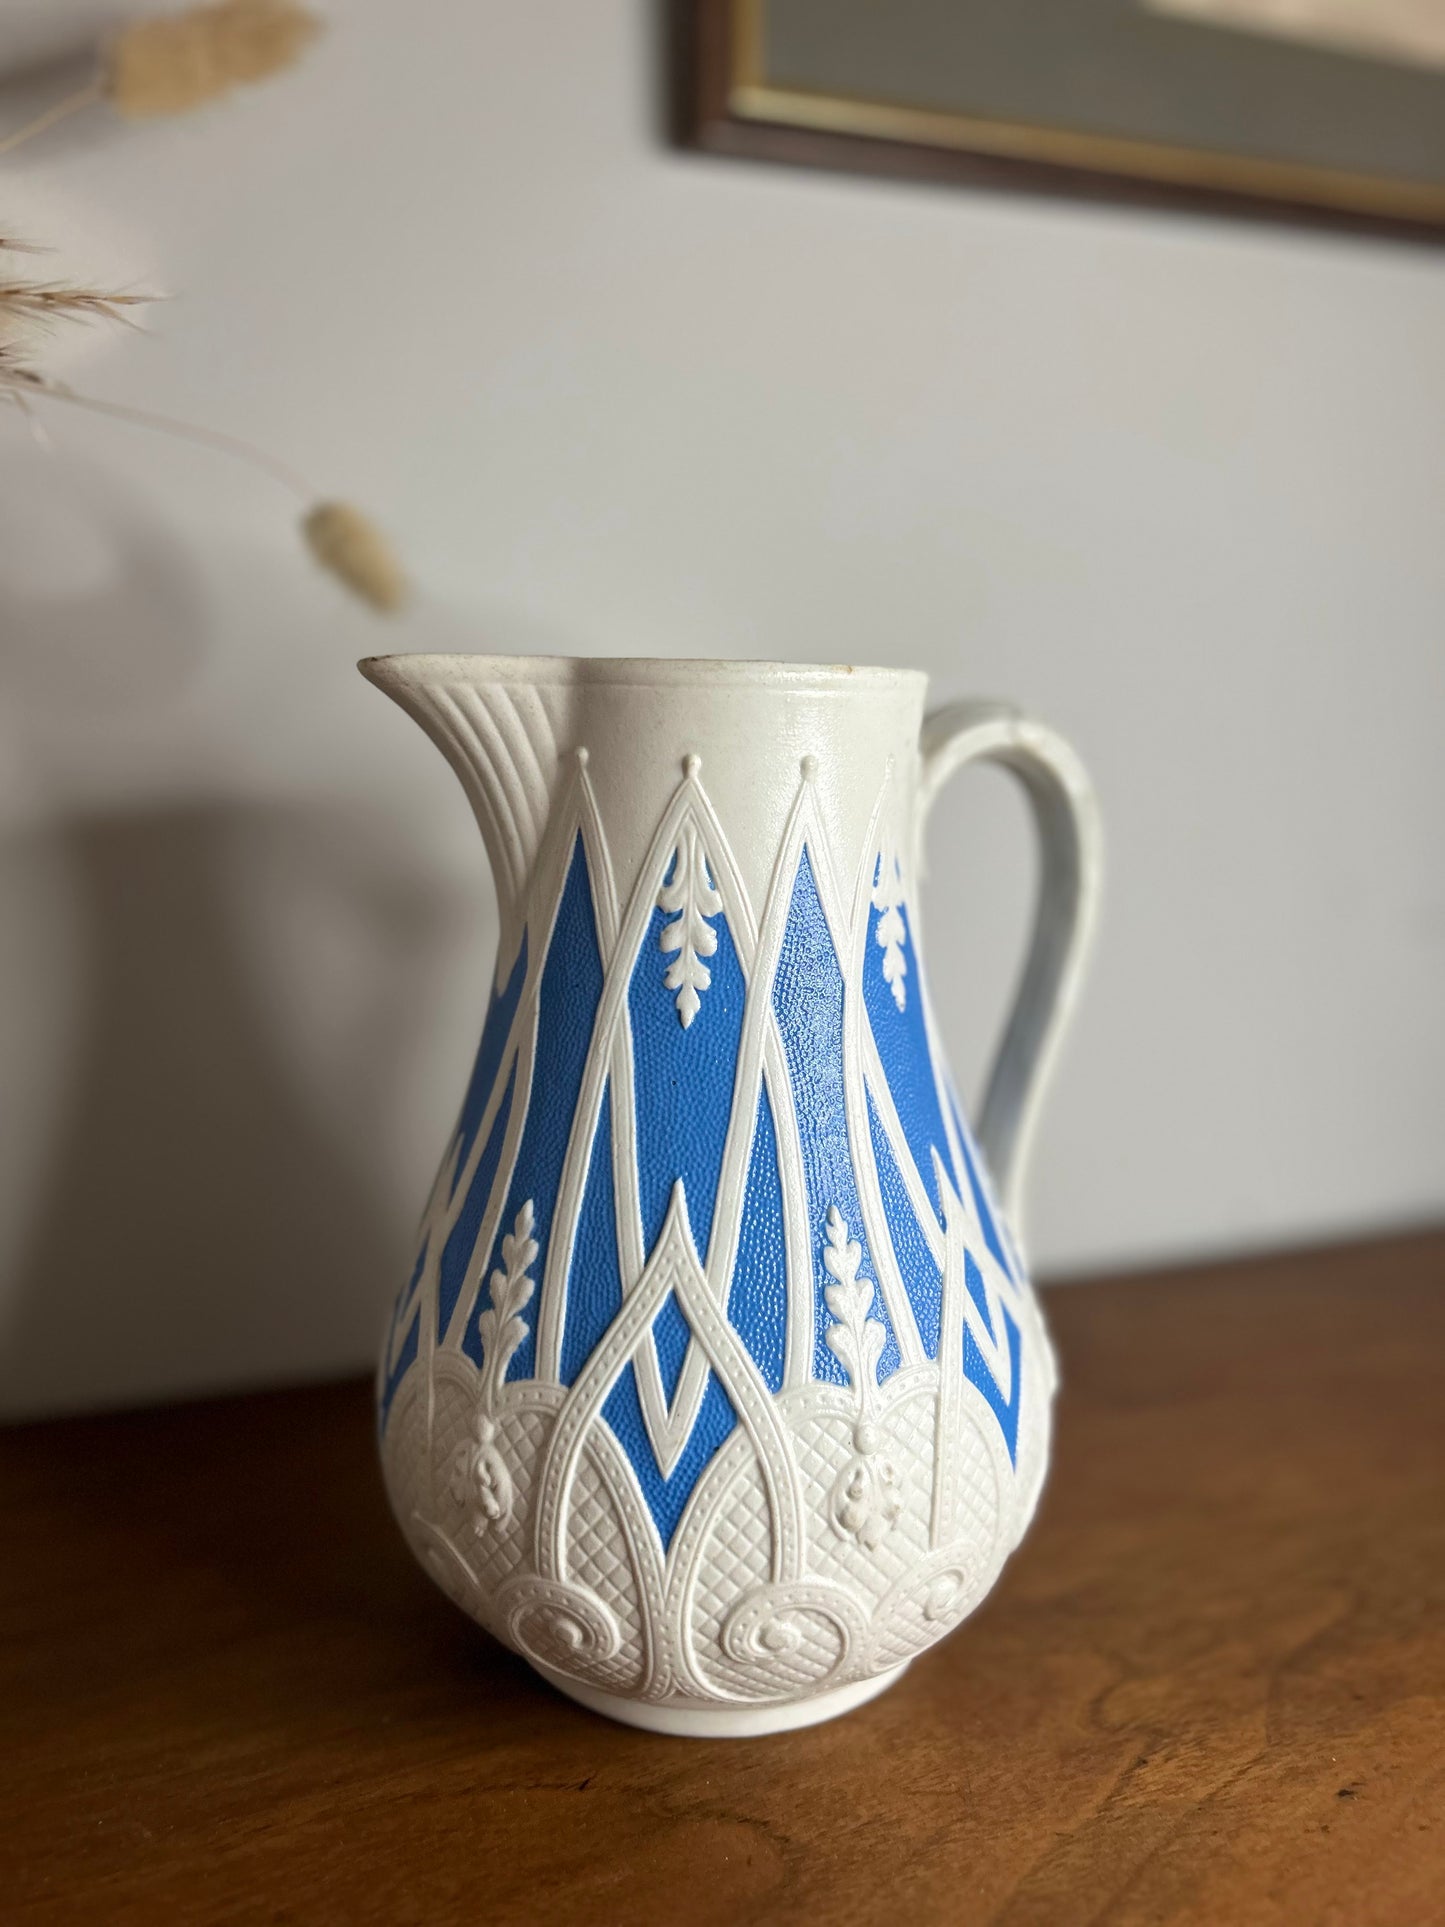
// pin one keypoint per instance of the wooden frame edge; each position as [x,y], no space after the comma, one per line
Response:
[720,108]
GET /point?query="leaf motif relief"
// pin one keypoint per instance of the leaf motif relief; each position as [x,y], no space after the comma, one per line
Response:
[480,1478]
[867,1498]
[501,1326]
[689,899]
[892,932]
[855,1340]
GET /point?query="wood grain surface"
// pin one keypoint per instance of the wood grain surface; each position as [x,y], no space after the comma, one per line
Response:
[1210,1687]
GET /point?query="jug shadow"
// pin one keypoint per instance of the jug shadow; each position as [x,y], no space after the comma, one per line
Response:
[196,1211]
[205,1209]
[198,1221]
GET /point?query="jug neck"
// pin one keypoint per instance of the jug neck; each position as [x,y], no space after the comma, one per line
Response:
[527,734]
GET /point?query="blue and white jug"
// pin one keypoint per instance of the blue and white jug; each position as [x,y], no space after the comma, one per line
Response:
[718,1389]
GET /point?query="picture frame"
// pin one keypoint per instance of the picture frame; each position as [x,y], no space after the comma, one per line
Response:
[1219,106]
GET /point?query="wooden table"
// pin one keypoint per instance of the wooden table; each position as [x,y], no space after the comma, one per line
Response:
[1210,1688]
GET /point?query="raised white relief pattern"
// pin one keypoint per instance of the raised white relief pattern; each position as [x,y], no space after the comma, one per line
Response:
[480,1477]
[689,899]
[867,1495]
[842,1527]
[891,933]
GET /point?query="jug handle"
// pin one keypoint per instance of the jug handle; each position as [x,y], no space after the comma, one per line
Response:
[1066,815]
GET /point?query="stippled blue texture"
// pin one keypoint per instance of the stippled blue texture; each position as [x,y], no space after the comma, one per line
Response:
[566,1011]
[977,1373]
[671,1334]
[409,1290]
[987,1223]
[684,1084]
[921,1277]
[684,1080]
[594,1281]
[406,1357]
[495,1032]
[666,1498]
[902,1040]
[758,1297]
[459,1247]
[808,999]
[973,1278]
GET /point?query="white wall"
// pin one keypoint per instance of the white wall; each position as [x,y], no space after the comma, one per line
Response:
[1177,485]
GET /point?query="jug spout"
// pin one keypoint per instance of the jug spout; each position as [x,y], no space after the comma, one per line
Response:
[497,724]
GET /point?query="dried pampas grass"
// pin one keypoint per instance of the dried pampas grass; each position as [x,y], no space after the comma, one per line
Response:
[356,552]
[29,309]
[169,63]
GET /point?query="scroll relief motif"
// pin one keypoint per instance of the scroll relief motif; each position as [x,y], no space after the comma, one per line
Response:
[716,1381]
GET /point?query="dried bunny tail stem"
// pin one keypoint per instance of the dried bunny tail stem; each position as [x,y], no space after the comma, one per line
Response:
[345,542]
[32,383]
[170,63]
[86,96]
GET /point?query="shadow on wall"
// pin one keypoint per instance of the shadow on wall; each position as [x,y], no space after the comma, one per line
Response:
[244,950]
[198,1218]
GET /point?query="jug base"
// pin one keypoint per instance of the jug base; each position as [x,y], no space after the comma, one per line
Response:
[703,1720]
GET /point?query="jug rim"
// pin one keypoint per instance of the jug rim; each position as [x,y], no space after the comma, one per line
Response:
[656,671]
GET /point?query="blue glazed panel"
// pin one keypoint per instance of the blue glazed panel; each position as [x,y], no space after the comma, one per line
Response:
[408,1291]
[671,1334]
[495,1031]
[758,1296]
[973,1278]
[406,1358]
[808,999]
[407,1355]
[594,1279]
[567,1000]
[902,1040]
[684,1080]
[459,1247]
[667,1498]
[988,1223]
[921,1277]
[1006,1411]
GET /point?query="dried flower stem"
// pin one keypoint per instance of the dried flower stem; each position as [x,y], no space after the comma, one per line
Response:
[340,537]
[23,383]
[85,96]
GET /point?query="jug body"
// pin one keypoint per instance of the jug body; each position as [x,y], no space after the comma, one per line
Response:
[717,1389]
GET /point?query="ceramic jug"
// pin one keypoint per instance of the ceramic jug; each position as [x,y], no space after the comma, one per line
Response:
[718,1389]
